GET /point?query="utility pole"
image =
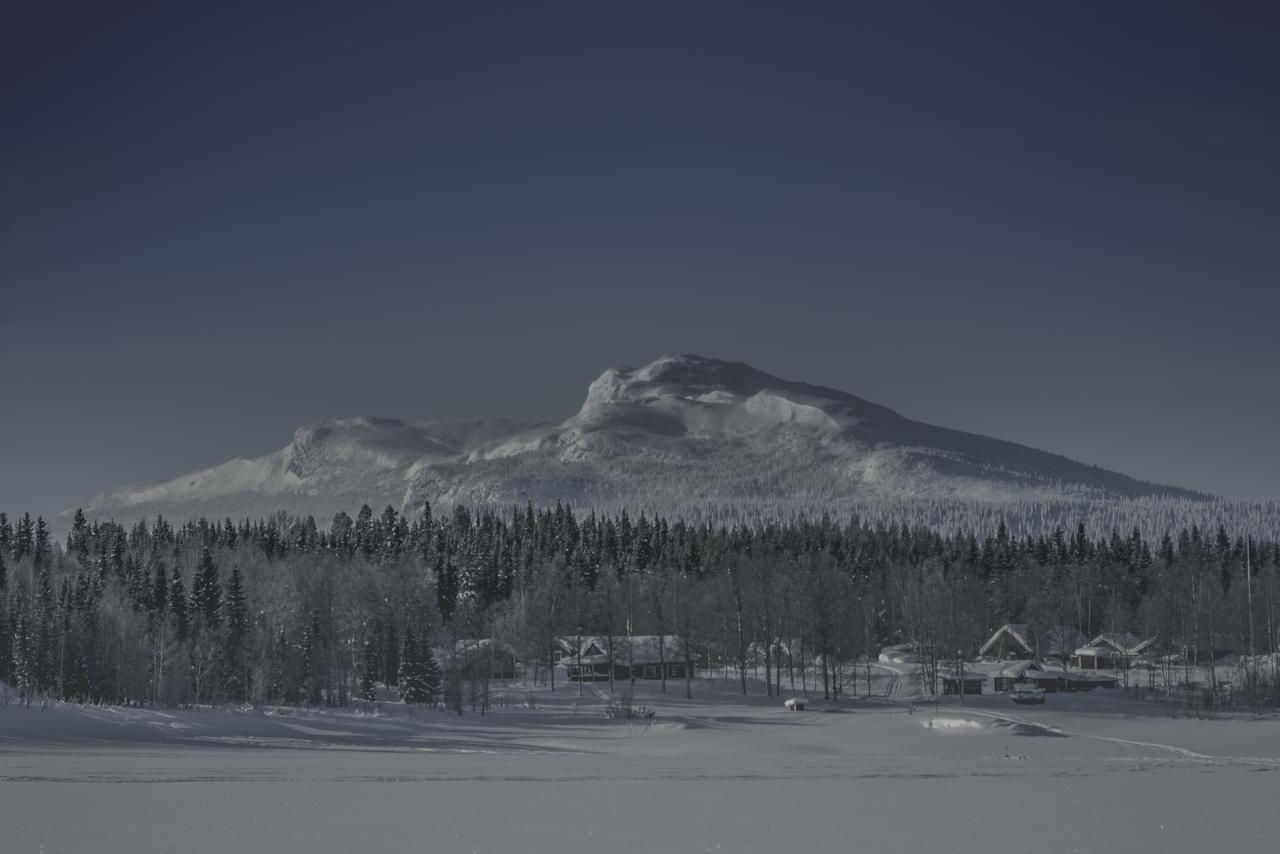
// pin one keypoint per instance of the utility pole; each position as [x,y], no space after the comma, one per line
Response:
[1248,587]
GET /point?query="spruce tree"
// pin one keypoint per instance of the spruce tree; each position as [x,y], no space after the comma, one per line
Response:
[23,541]
[78,539]
[446,588]
[160,591]
[42,553]
[391,535]
[431,671]
[235,677]
[390,655]
[369,672]
[25,659]
[178,605]
[366,539]
[206,591]
[45,633]
[6,643]
[413,678]
[311,661]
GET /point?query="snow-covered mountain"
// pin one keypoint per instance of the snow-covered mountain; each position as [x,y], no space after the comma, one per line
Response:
[679,433]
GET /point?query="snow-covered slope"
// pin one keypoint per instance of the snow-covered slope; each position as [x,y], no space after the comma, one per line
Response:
[331,466]
[679,432]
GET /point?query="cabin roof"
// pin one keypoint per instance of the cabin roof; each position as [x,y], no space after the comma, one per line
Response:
[1059,639]
[640,649]
[1122,642]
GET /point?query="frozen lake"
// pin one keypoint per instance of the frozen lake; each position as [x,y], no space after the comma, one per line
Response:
[1082,773]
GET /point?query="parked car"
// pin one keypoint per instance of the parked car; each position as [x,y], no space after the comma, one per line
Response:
[1027,694]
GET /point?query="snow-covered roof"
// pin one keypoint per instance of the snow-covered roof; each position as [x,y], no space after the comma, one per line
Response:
[1016,669]
[1037,675]
[1058,639]
[1095,651]
[1017,632]
[474,648]
[646,648]
[910,646]
[969,675]
[1020,669]
[1122,642]
[789,648]
[640,649]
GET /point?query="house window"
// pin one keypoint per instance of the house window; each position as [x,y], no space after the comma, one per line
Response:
[675,671]
[651,671]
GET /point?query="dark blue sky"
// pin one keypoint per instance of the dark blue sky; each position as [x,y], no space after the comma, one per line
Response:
[1057,226]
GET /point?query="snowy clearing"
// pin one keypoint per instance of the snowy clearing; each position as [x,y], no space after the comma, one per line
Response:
[719,773]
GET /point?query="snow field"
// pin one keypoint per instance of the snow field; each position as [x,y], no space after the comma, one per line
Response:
[717,773]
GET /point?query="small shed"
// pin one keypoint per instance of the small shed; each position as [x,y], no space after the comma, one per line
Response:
[796,704]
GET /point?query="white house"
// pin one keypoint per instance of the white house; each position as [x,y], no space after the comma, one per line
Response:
[1019,640]
[1110,651]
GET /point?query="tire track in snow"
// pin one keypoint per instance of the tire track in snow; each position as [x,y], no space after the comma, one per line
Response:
[1180,752]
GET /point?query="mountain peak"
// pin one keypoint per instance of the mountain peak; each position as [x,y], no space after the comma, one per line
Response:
[689,375]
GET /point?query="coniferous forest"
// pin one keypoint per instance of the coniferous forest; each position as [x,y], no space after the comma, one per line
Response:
[285,611]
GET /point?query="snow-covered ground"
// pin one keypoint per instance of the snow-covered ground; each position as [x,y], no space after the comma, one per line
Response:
[1095,772]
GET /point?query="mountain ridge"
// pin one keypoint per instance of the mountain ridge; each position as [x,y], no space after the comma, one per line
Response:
[683,428]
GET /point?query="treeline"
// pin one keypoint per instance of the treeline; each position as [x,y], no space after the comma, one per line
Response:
[283,610]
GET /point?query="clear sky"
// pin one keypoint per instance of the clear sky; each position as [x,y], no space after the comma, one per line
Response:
[1059,226]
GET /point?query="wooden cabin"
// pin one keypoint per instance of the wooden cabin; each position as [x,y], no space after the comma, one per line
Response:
[637,657]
